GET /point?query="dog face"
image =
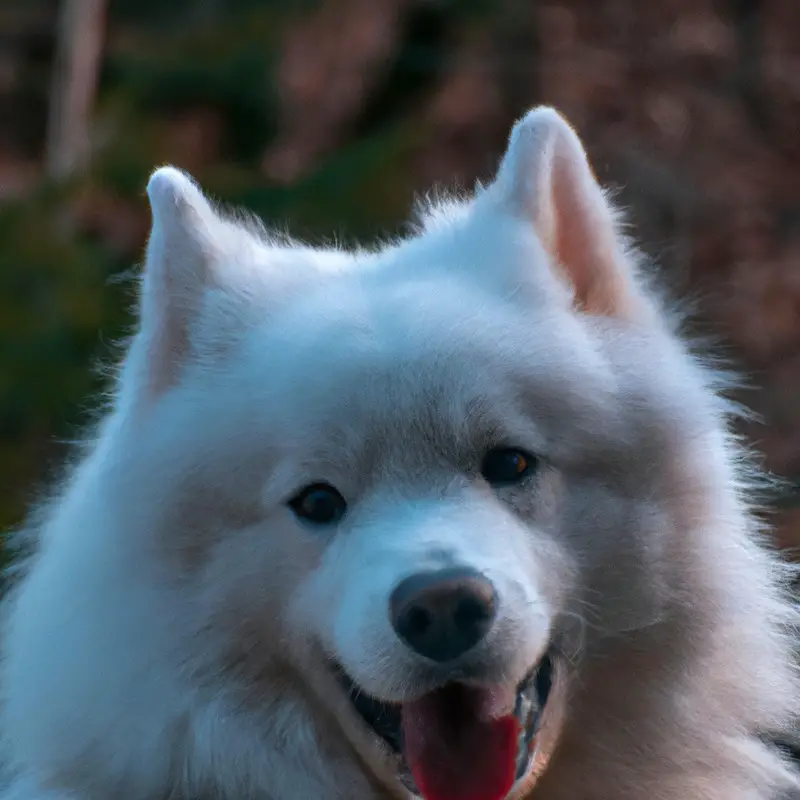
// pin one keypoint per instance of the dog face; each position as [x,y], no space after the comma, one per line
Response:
[408,471]
[405,489]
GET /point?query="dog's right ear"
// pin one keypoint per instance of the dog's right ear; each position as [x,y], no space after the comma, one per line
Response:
[190,252]
[546,179]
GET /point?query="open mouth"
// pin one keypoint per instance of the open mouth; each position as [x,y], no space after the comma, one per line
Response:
[455,743]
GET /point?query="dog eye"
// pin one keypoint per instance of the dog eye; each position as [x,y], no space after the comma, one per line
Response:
[505,466]
[319,503]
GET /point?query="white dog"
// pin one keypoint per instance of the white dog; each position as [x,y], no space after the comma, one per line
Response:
[459,518]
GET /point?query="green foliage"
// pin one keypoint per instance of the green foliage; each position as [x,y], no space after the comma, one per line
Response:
[56,303]
[361,192]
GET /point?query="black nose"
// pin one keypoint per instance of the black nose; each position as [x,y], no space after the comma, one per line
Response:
[442,614]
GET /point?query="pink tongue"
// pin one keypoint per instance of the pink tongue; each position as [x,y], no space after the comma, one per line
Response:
[455,754]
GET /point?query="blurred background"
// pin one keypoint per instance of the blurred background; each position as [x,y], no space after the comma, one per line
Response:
[327,117]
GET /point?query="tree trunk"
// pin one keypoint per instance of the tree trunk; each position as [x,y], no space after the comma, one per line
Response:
[80,34]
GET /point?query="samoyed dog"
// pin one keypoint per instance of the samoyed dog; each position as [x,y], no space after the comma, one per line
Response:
[457,518]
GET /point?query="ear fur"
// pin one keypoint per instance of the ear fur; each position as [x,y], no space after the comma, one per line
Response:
[190,251]
[546,178]
[183,248]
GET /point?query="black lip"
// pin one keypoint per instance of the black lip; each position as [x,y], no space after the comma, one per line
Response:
[385,719]
[532,696]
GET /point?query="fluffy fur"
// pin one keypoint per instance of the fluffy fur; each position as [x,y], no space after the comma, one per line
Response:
[169,635]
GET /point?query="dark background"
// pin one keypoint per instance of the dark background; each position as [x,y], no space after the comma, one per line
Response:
[327,118]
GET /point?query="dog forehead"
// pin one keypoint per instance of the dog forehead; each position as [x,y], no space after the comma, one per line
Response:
[382,326]
[429,349]
[427,332]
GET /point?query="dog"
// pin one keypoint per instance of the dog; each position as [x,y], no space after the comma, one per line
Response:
[459,517]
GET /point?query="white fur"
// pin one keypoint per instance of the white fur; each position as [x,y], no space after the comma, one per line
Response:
[168,636]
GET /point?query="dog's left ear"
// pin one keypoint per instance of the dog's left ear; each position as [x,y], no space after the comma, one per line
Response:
[195,271]
[545,177]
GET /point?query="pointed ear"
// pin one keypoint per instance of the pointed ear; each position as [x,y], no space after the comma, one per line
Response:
[545,177]
[188,244]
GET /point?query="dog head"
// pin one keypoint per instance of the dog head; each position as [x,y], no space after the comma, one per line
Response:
[413,483]
[408,470]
